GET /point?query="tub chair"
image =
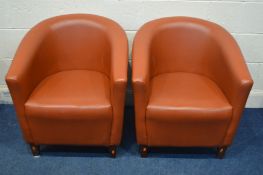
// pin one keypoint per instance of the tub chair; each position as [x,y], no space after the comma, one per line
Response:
[68,80]
[190,84]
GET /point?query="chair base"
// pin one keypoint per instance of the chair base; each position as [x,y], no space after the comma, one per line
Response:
[143,151]
[35,149]
[113,151]
[221,152]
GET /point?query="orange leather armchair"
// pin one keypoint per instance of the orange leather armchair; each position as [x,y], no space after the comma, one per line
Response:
[68,81]
[190,84]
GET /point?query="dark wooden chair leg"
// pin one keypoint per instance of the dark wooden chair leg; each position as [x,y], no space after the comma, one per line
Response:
[143,151]
[35,149]
[113,151]
[221,152]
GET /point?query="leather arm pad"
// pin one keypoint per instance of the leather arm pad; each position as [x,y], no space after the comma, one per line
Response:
[141,75]
[119,69]
[24,71]
[233,78]
[22,78]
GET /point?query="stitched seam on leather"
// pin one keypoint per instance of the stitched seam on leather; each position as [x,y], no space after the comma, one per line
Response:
[146,130]
[195,74]
[28,123]
[147,103]
[60,72]
[112,116]
[230,123]
[227,128]
[74,70]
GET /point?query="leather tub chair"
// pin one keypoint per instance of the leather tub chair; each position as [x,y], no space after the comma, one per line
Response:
[190,84]
[68,81]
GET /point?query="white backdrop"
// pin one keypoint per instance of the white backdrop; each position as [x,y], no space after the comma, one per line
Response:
[243,18]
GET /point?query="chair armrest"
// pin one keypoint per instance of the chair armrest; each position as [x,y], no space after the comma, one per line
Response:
[234,79]
[118,79]
[23,75]
[141,75]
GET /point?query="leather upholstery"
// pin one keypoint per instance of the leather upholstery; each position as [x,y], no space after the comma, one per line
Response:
[178,106]
[190,83]
[68,81]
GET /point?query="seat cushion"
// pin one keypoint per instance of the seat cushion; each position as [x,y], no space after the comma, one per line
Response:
[71,107]
[186,109]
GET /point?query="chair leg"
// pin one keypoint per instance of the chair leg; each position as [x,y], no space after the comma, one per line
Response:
[113,151]
[35,149]
[143,151]
[221,152]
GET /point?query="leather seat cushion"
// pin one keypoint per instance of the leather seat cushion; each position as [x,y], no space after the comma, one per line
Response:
[186,109]
[73,103]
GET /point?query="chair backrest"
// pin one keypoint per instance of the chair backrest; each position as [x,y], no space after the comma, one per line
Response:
[183,45]
[75,42]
